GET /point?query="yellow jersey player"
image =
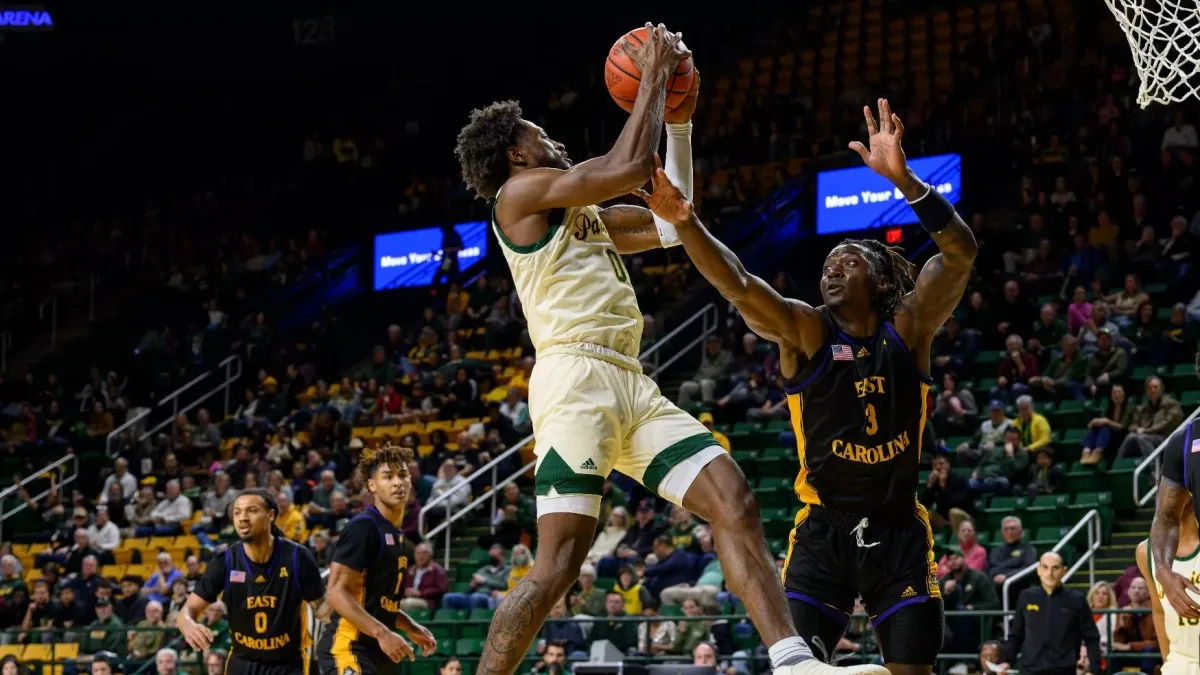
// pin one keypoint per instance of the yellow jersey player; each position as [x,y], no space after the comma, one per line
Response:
[264,581]
[366,578]
[593,409]
[857,374]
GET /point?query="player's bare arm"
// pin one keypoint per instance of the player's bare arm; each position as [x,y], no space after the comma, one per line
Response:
[794,325]
[196,634]
[1164,541]
[522,206]
[631,228]
[420,635]
[346,584]
[1141,555]
[941,283]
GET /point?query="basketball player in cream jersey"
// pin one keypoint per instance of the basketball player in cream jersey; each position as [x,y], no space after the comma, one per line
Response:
[593,410]
[1178,637]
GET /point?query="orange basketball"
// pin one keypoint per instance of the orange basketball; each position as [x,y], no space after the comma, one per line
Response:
[622,76]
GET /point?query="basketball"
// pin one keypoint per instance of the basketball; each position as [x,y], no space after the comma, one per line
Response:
[622,76]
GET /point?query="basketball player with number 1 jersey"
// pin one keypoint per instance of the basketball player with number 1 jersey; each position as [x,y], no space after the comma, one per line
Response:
[593,409]
[857,375]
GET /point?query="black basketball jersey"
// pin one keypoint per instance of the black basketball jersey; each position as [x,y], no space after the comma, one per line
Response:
[264,603]
[858,410]
[1179,468]
[372,545]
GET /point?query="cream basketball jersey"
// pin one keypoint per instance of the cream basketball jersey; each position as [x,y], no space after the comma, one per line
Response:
[573,286]
[1184,634]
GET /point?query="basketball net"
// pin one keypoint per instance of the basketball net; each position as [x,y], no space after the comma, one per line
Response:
[1164,36]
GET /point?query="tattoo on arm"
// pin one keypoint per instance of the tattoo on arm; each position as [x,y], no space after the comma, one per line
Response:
[631,228]
[514,626]
[1164,530]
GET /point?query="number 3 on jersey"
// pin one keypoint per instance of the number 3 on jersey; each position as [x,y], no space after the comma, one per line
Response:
[617,265]
[872,423]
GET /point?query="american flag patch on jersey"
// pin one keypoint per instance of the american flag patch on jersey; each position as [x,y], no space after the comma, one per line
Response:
[237,577]
[1196,445]
[842,353]
[389,539]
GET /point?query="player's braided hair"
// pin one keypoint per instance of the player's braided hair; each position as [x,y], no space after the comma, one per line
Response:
[393,456]
[483,144]
[887,264]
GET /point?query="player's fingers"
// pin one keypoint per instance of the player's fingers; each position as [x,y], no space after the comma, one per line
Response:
[871,128]
[695,82]
[860,149]
[899,126]
[639,192]
[885,124]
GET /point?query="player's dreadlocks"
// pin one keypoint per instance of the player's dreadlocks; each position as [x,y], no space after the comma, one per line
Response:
[395,457]
[887,264]
[483,145]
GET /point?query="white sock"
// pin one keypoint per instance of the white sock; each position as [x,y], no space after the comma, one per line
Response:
[789,652]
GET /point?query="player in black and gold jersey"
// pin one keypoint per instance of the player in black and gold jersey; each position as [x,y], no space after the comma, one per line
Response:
[264,581]
[367,575]
[857,376]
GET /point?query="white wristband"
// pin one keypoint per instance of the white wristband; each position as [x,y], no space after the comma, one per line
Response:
[678,167]
[667,234]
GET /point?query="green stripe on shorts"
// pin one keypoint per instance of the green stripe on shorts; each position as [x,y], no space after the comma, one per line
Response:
[553,472]
[672,455]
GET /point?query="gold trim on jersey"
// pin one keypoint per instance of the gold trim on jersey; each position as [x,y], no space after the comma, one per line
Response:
[935,590]
[803,489]
[924,410]
[801,515]
[343,641]
[305,638]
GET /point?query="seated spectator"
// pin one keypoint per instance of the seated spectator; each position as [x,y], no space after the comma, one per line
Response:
[39,614]
[215,512]
[991,654]
[971,551]
[554,660]
[421,483]
[214,620]
[74,614]
[1033,427]
[567,634]
[131,606]
[681,525]
[179,595]
[1015,369]
[1012,313]
[589,599]
[166,661]
[424,581]
[290,520]
[143,643]
[954,410]
[1079,312]
[322,494]
[455,486]
[516,412]
[1124,304]
[1048,331]
[1100,597]
[1106,366]
[318,543]
[1108,431]
[1065,375]
[953,348]
[168,513]
[989,435]
[606,542]
[632,590]
[947,496]
[140,511]
[105,633]
[688,634]
[520,562]
[1010,555]
[999,467]
[965,588]
[671,567]
[121,477]
[714,365]
[1152,422]
[486,583]
[1045,477]
[655,638]
[1144,337]
[158,586]
[1136,632]
[1091,329]
[638,541]
[103,534]
[622,634]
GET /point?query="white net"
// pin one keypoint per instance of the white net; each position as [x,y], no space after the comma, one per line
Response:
[1165,38]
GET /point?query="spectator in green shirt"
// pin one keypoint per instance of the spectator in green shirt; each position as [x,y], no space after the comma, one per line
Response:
[1047,331]
[679,529]
[691,633]
[622,634]
[1001,465]
[588,600]
[1065,374]
[99,639]
[144,643]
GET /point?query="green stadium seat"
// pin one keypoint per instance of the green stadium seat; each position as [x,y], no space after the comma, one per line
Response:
[478,557]
[671,610]
[741,440]
[422,667]
[468,647]
[1190,399]
[443,632]
[473,630]
[1154,289]
[999,507]
[420,615]
[1046,538]
[463,573]
[779,425]
[450,615]
[1140,373]
[1084,478]
[460,587]
[955,441]
[445,645]
[606,583]
[481,614]
[1046,511]
[745,426]
[988,356]
[1119,481]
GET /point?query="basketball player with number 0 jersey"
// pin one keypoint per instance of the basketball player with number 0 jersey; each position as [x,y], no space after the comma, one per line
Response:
[1178,637]
[857,376]
[264,581]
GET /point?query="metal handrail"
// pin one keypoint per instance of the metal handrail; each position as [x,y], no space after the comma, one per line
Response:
[37,475]
[231,376]
[710,319]
[1094,541]
[1155,458]
[493,464]
[471,506]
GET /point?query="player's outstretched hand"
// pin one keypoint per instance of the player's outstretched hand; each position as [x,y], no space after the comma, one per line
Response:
[423,639]
[884,156]
[682,114]
[395,647]
[665,199]
[1175,589]
[662,50]
[197,635]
